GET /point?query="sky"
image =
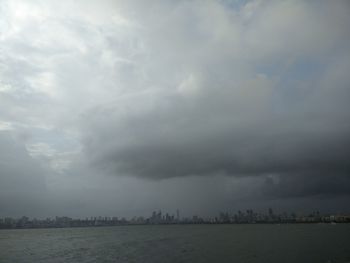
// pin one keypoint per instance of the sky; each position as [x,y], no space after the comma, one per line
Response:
[119,108]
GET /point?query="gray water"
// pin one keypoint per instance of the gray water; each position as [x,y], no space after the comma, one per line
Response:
[179,243]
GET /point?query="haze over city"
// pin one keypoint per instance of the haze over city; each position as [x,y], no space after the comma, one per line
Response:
[120,108]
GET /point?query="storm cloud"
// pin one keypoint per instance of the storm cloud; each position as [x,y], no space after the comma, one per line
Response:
[129,100]
[239,98]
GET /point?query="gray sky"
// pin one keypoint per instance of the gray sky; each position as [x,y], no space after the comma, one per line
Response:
[124,107]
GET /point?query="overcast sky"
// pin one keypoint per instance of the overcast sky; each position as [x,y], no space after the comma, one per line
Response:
[119,108]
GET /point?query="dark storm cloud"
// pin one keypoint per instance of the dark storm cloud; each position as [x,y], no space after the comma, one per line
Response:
[164,148]
[224,117]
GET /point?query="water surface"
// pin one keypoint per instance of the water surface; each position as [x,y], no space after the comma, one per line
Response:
[179,243]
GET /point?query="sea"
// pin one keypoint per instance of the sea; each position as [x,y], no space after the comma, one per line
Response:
[309,243]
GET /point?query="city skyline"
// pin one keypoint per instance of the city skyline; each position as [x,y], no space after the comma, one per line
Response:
[158,218]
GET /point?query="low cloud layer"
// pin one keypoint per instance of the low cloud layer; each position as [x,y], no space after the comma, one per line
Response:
[22,180]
